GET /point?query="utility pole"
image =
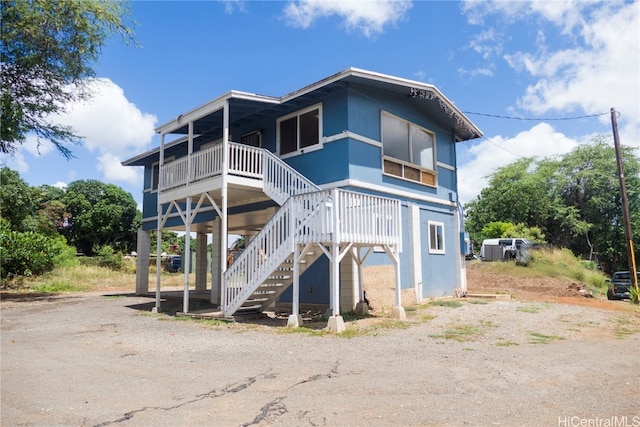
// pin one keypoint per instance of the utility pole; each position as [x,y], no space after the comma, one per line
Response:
[625,202]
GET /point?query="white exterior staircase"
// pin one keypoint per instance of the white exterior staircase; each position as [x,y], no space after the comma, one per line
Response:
[309,221]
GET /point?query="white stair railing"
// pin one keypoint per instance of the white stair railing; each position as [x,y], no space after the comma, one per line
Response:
[281,181]
[271,247]
[310,218]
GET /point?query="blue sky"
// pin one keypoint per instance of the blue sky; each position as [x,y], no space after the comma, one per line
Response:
[537,60]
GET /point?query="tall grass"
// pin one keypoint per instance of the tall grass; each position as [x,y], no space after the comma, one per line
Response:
[558,263]
[84,274]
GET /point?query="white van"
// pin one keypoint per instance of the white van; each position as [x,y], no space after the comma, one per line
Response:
[505,248]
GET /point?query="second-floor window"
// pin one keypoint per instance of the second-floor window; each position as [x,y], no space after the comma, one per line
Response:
[300,130]
[408,149]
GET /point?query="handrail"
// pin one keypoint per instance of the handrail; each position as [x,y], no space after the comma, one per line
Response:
[281,181]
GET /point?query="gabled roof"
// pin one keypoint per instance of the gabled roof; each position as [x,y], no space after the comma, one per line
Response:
[244,104]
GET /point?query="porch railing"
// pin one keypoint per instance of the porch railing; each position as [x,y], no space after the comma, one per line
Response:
[280,180]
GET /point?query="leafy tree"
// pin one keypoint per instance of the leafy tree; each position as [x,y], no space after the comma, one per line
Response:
[17,204]
[169,238]
[48,50]
[574,201]
[517,193]
[101,214]
[497,229]
[52,215]
[587,180]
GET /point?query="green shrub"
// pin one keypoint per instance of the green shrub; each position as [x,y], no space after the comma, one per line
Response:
[29,253]
[109,258]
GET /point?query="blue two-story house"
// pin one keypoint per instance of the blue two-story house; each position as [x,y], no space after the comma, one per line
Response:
[356,169]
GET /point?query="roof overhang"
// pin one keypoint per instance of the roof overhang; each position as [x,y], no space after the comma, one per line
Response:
[429,98]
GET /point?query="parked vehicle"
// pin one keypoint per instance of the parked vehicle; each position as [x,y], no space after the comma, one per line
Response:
[506,249]
[173,263]
[620,285]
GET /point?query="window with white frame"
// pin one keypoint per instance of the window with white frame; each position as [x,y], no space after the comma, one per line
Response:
[300,130]
[408,150]
[436,237]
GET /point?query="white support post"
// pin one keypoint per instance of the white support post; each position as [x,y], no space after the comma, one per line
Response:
[223,216]
[186,259]
[295,320]
[215,262]
[156,309]
[336,322]
[142,262]
[201,261]
[397,311]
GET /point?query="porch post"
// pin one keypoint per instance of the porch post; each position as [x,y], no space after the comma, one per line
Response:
[156,309]
[223,208]
[142,262]
[336,323]
[215,262]
[397,311]
[186,261]
[295,320]
[201,261]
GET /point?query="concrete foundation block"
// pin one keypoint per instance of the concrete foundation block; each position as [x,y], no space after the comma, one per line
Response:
[398,313]
[294,321]
[336,324]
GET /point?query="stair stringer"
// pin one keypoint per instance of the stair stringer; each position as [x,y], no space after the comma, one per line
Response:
[278,282]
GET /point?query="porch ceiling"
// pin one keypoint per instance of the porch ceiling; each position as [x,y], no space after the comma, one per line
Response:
[243,223]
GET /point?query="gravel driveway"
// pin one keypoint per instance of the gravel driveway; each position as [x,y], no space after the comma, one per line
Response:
[96,360]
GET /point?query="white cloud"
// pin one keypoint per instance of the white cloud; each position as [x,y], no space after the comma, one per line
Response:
[112,126]
[596,68]
[492,153]
[112,169]
[367,16]
[231,6]
[60,184]
[37,147]
[15,161]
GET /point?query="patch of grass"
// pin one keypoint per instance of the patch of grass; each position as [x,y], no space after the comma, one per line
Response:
[538,338]
[625,326]
[57,286]
[303,330]
[477,301]
[427,317]
[446,303]
[463,333]
[531,308]
[503,343]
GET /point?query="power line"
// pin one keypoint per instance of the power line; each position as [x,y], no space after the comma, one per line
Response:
[537,119]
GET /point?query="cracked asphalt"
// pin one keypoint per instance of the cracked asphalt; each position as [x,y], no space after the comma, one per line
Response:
[95,360]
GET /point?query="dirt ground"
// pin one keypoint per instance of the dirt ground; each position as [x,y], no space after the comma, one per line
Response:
[546,356]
